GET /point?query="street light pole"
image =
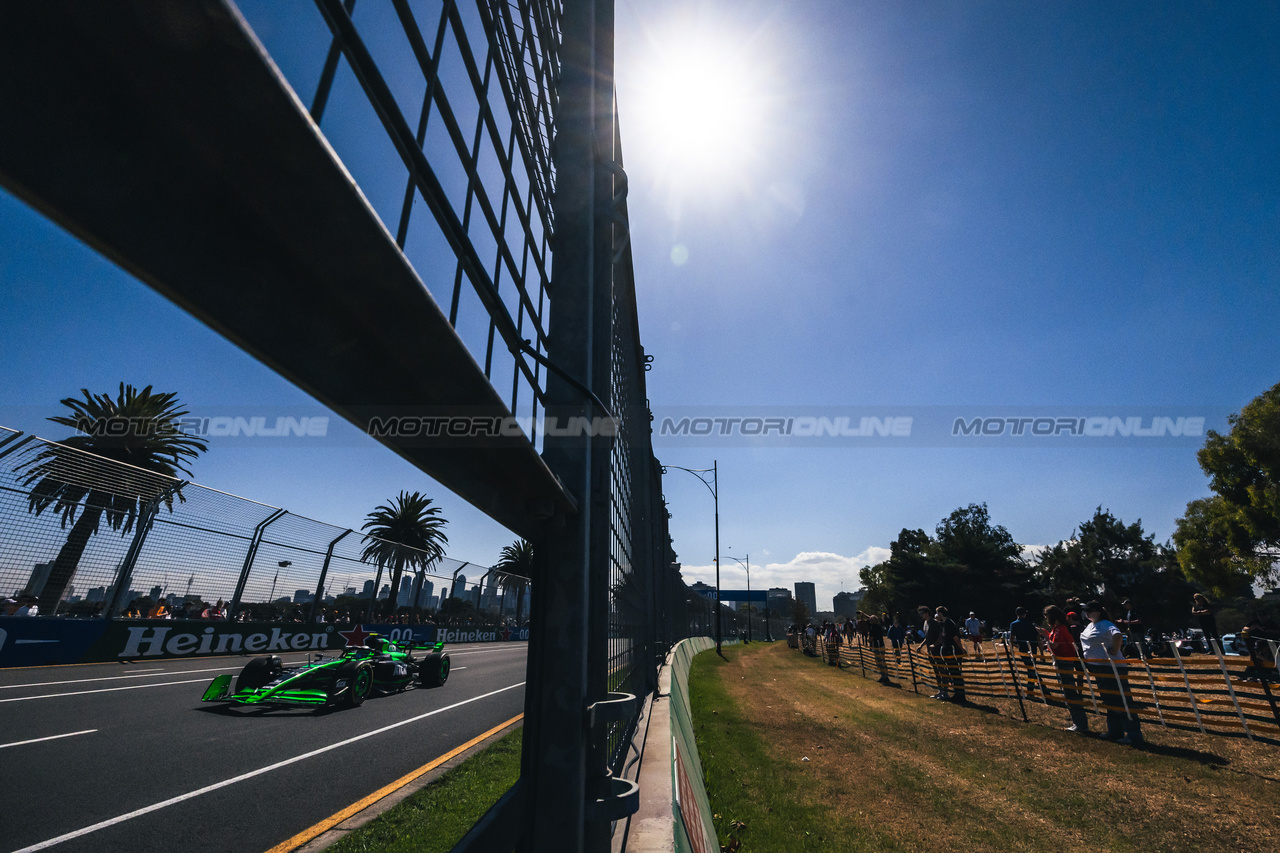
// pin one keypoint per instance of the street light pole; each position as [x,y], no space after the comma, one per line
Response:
[714,488]
[747,565]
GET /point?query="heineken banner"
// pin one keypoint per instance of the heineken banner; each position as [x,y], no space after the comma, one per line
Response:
[36,641]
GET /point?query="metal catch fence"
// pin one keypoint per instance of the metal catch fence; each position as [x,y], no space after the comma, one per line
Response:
[184,542]
[499,148]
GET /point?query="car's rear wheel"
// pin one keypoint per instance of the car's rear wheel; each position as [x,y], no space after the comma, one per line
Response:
[359,684]
[434,670]
[258,673]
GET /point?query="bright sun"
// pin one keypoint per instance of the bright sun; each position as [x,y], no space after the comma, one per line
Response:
[701,107]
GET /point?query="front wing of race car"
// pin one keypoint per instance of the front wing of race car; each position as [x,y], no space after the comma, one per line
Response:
[307,688]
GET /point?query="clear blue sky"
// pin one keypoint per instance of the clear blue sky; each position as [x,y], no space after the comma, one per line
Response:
[908,205]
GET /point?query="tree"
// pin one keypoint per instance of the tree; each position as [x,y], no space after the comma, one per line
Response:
[1108,559]
[1203,537]
[516,564]
[138,428]
[407,532]
[982,562]
[968,562]
[799,612]
[1237,532]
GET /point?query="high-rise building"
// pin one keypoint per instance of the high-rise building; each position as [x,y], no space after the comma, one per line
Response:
[806,593]
[367,590]
[156,592]
[846,603]
[39,577]
[405,597]
[779,601]
[301,596]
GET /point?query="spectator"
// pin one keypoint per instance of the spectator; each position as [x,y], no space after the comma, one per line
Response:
[1062,644]
[1262,665]
[1131,623]
[973,629]
[875,636]
[1076,626]
[1103,644]
[28,605]
[897,634]
[1027,637]
[158,611]
[942,638]
[1203,611]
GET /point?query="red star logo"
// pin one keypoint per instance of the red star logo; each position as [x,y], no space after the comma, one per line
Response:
[506,634]
[355,637]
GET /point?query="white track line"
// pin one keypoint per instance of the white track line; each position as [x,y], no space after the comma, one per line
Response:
[50,737]
[242,777]
[101,690]
[151,672]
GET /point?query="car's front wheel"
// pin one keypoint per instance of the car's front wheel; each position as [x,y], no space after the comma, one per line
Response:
[434,670]
[259,672]
[359,678]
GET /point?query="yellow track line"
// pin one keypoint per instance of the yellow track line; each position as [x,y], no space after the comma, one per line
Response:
[333,820]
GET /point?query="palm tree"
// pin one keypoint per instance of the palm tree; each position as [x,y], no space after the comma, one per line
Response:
[405,533]
[138,428]
[516,564]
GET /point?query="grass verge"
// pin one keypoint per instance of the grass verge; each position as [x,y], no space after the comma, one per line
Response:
[799,756]
[435,818]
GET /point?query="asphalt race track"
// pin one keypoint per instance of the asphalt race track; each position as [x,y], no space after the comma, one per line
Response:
[85,745]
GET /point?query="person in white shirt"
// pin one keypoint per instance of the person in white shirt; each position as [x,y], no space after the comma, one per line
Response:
[973,630]
[1102,644]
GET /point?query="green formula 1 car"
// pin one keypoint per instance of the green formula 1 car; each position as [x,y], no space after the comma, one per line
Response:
[344,680]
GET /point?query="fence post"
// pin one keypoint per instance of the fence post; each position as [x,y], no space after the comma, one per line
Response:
[1226,676]
[324,571]
[1000,668]
[1173,647]
[1124,698]
[1013,675]
[125,576]
[254,542]
[1150,680]
[912,665]
[564,763]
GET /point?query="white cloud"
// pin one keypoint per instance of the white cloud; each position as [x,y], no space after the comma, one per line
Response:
[830,573]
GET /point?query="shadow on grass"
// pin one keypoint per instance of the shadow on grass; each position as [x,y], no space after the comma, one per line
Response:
[1207,758]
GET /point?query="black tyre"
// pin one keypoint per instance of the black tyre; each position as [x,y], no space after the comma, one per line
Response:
[359,683]
[259,672]
[434,669]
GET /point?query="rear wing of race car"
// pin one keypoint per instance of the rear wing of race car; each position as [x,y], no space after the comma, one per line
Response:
[218,690]
[424,647]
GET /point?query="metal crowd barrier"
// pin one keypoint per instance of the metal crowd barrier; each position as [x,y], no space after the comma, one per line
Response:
[1213,694]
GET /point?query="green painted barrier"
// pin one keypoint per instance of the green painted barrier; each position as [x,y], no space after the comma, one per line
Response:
[694,831]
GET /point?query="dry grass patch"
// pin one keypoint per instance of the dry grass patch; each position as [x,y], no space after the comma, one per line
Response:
[888,769]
